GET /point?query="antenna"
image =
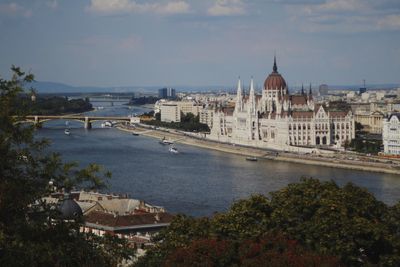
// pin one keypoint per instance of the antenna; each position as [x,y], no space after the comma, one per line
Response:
[364,83]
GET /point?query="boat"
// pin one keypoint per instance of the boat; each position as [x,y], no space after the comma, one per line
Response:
[67,131]
[251,159]
[166,142]
[106,124]
[173,150]
[135,134]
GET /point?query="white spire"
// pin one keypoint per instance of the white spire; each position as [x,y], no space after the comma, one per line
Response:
[252,97]
[239,97]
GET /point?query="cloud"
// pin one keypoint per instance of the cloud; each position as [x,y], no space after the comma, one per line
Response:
[344,15]
[389,22]
[14,10]
[227,8]
[109,7]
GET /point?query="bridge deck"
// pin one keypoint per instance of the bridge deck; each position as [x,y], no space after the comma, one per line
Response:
[72,117]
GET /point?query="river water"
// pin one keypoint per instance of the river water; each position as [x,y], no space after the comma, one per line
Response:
[197,181]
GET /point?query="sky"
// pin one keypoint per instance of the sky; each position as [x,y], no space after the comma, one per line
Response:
[201,42]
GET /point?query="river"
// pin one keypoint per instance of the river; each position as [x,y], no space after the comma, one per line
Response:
[197,181]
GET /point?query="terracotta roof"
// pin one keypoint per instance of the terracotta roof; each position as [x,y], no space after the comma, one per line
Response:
[338,113]
[274,81]
[298,99]
[302,114]
[107,219]
[318,106]
[228,111]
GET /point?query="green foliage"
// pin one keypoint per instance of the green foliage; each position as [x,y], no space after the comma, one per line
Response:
[325,219]
[143,100]
[54,105]
[189,123]
[30,233]
[270,250]
[363,145]
[358,126]
[158,116]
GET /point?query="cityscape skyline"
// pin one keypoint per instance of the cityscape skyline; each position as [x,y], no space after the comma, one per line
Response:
[172,43]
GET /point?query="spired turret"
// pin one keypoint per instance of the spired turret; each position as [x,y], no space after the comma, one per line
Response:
[252,98]
[239,97]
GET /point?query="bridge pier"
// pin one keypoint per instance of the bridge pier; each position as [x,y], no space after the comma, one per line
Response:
[36,122]
[88,124]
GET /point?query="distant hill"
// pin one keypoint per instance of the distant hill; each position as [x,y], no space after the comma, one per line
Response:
[55,87]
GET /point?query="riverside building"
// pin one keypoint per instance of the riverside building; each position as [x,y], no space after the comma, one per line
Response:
[275,119]
[391,134]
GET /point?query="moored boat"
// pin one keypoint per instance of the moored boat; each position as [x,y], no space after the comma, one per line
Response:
[106,124]
[165,142]
[251,159]
[173,150]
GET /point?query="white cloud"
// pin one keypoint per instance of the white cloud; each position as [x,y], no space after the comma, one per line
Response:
[390,22]
[14,10]
[131,6]
[345,15]
[227,8]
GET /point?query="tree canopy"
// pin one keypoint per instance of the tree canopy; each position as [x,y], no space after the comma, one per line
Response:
[332,225]
[31,233]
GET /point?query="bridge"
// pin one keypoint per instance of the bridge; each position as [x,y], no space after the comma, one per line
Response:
[87,120]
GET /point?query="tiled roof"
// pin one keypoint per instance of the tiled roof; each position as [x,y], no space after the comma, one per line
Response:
[299,100]
[118,221]
[338,113]
[302,114]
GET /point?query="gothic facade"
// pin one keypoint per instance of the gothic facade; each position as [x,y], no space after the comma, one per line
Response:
[276,119]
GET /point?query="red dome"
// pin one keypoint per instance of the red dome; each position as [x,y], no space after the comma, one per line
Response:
[274,80]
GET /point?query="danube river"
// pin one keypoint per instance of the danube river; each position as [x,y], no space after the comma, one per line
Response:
[196,181]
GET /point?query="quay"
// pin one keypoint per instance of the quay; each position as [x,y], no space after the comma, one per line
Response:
[334,160]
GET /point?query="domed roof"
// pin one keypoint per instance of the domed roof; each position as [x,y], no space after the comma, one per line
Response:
[274,80]
[69,209]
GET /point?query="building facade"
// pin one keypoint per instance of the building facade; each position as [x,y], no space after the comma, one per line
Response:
[391,134]
[170,112]
[276,119]
[166,93]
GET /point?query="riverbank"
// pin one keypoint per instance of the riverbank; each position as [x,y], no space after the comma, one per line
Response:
[344,161]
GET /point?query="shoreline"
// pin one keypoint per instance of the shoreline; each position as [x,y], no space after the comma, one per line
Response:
[318,160]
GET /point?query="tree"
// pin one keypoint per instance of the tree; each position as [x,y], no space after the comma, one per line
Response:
[31,232]
[323,219]
[270,250]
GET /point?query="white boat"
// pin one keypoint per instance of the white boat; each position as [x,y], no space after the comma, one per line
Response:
[251,159]
[67,131]
[173,150]
[166,142]
[106,124]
